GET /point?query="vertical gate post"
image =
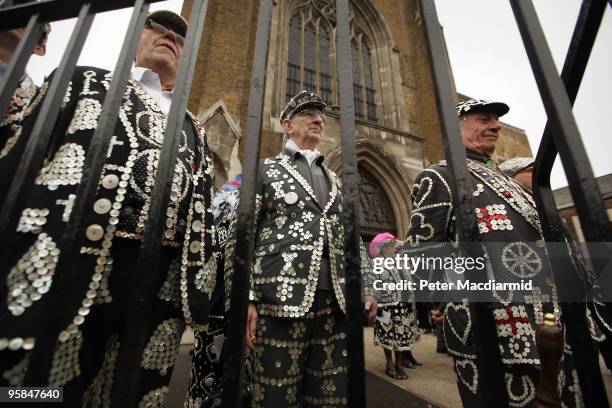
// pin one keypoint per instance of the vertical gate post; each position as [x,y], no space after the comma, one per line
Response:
[486,342]
[140,310]
[18,63]
[585,190]
[40,136]
[59,303]
[233,363]
[558,94]
[351,211]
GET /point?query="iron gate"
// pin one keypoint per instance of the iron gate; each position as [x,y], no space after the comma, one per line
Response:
[560,137]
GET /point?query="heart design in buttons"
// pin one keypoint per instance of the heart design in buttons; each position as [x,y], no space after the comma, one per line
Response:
[457,310]
[467,369]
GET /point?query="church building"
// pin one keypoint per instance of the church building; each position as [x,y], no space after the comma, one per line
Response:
[397,125]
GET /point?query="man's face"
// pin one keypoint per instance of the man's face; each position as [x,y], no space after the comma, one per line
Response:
[160,53]
[10,39]
[480,131]
[306,128]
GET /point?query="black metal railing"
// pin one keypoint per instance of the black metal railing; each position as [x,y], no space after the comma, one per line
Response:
[64,300]
[234,361]
[560,136]
[561,133]
[488,355]
[351,210]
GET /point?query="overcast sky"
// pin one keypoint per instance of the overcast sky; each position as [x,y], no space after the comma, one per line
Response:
[487,58]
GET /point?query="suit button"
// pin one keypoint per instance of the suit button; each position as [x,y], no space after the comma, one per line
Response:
[110,181]
[102,206]
[94,232]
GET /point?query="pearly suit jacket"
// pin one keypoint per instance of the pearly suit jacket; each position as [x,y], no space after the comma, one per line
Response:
[291,233]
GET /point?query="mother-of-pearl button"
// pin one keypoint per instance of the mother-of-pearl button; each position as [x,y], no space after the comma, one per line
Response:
[196,226]
[291,198]
[102,206]
[94,232]
[110,181]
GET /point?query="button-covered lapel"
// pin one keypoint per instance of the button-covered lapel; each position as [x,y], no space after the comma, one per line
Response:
[333,194]
[284,161]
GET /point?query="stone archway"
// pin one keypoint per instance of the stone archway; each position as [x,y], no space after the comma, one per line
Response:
[376,211]
[380,171]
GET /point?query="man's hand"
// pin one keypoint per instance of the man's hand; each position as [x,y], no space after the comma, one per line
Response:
[370,307]
[251,325]
[437,316]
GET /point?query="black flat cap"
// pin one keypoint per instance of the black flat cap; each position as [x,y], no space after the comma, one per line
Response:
[302,101]
[480,105]
[170,20]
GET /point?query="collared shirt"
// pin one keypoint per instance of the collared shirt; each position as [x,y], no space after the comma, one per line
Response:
[310,155]
[150,80]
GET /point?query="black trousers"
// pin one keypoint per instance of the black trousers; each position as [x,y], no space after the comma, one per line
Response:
[302,362]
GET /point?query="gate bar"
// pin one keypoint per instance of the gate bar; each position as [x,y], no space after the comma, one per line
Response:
[581,44]
[59,304]
[233,361]
[583,38]
[583,186]
[350,213]
[19,60]
[140,310]
[486,342]
[38,139]
[17,16]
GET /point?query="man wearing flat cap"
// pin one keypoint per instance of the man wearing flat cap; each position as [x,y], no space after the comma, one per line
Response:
[520,169]
[85,357]
[510,230]
[10,126]
[297,311]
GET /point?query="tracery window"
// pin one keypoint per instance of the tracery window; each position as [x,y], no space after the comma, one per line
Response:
[311,61]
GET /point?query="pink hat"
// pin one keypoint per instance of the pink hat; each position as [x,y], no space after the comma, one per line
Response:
[378,240]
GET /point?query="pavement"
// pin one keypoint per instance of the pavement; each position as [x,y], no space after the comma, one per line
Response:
[432,385]
[434,381]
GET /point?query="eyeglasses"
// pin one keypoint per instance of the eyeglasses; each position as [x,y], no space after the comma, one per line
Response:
[161,29]
[311,113]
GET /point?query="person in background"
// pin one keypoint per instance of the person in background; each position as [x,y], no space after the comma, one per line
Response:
[10,127]
[437,320]
[396,327]
[520,169]
[205,384]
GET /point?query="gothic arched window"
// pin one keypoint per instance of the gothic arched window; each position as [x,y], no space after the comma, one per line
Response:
[294,63]
[325,76]
[357,85]
[311,57]
[368,81]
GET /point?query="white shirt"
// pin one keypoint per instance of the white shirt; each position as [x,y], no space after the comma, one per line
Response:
[310,155]
[150,80]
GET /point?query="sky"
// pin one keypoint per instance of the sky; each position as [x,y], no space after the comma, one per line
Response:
[487,57]
[489,61]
